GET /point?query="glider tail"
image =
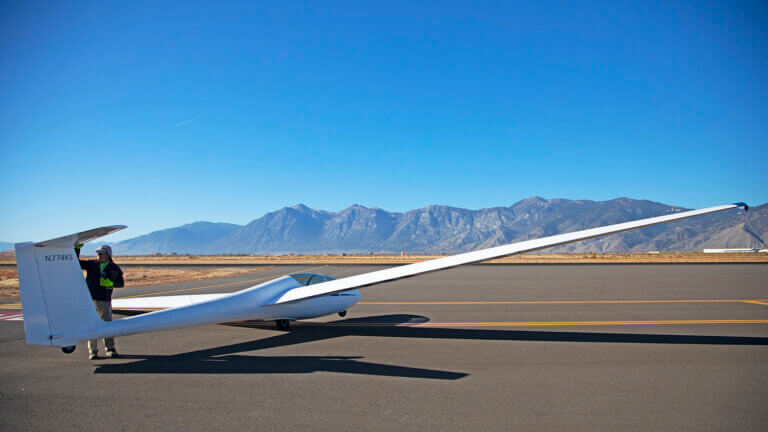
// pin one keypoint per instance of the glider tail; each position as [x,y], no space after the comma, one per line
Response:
[54,297]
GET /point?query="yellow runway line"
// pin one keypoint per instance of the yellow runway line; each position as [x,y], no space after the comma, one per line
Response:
[586,323]
[509,323]
[759,302]
[559,302]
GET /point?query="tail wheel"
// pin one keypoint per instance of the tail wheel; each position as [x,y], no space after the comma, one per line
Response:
[68,349]
[283,324]
[343,314]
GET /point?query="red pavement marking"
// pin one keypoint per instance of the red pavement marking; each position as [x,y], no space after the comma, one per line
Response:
[11,316]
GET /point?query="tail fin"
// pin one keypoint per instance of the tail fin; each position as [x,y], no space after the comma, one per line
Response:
[54,297]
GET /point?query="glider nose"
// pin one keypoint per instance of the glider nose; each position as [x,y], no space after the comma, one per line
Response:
[354,296]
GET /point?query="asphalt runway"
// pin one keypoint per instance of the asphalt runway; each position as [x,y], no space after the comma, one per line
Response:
[483,347]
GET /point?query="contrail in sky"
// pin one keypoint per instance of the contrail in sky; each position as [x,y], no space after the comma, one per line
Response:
[189,120]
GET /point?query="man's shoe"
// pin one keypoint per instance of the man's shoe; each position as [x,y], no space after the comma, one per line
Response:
[112,354]
[93,356]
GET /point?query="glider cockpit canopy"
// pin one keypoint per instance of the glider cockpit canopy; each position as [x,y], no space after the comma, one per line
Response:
[311,278]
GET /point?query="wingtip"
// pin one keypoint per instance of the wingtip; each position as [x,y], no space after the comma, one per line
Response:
[742,204]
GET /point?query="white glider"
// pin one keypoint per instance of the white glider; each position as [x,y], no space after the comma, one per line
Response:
[58,310]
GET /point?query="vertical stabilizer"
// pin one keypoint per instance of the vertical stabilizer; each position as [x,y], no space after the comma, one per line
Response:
[54,297]
[36,326]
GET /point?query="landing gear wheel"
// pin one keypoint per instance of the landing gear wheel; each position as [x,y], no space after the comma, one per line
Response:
[343,314]
[283,324]
[68,349]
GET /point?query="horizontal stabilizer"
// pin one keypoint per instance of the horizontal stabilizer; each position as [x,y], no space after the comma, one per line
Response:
[71,240]
[160,302]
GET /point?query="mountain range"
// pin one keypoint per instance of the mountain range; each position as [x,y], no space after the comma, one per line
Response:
[439,229]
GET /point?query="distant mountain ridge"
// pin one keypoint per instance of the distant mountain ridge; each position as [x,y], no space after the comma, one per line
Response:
[191,238]
[444,229]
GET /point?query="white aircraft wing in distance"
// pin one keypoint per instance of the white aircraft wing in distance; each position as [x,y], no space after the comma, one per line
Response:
[404,271]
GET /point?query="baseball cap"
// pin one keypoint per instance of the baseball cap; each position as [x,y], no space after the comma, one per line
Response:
[104,249]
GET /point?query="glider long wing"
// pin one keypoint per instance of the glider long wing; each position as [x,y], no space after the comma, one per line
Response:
[390,274]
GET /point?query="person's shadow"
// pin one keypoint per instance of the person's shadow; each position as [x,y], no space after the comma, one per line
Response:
[228,360]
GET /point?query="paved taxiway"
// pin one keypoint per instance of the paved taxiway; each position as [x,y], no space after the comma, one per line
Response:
[499,347]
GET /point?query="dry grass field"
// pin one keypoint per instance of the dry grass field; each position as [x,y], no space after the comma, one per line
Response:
[221,266]
[143,276]
[9,284]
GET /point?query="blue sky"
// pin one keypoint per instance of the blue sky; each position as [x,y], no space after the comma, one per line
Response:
[155,114]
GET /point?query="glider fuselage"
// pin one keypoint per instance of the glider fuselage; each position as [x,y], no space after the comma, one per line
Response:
[255,303]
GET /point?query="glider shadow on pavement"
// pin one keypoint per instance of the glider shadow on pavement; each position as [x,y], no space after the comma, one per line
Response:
[229,360]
